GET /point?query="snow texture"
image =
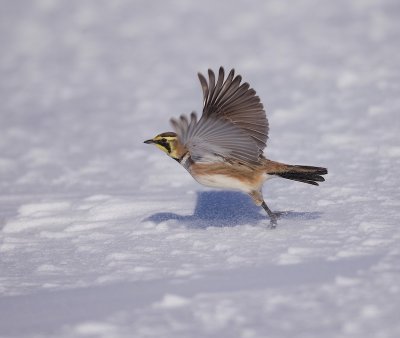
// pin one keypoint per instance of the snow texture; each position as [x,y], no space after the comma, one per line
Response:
[104,236]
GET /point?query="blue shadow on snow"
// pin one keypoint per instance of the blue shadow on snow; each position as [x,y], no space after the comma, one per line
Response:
[226,209]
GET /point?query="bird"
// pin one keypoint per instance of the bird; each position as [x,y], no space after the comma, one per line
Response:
[224,147]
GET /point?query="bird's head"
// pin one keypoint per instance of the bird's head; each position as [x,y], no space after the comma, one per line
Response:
[168,142]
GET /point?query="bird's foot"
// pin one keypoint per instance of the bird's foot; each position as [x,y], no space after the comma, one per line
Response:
[274,216]
[273,223]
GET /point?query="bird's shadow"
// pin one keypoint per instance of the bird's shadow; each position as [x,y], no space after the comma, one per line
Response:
[226,209]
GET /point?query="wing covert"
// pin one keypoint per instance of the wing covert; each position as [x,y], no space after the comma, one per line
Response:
[211,138]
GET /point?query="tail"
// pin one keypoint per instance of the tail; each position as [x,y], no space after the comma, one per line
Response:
[300,173]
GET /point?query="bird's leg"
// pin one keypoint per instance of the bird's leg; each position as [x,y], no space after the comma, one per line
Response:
[272,216]
[259,200]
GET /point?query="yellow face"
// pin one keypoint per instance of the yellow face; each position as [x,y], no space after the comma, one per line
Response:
[167,142]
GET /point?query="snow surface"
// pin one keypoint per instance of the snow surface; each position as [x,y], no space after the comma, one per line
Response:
[103,236]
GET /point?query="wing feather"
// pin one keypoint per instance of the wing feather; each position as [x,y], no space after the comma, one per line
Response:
[232,101]
[213,139]
[233,124]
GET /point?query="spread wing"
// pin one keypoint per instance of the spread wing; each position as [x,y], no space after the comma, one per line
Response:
[210,139]
[233,124]
[237,103]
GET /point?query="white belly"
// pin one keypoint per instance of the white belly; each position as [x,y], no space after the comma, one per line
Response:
[226,182]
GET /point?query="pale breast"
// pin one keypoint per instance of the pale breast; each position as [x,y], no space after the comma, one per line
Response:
[221,181]
[228,176]
[231,183]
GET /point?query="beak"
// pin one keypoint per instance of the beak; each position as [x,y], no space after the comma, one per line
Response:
[149,141]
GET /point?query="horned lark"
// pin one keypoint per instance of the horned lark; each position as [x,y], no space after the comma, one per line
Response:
[224,148]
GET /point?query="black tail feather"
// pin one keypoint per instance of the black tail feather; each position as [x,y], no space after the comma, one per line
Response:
[305,174]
